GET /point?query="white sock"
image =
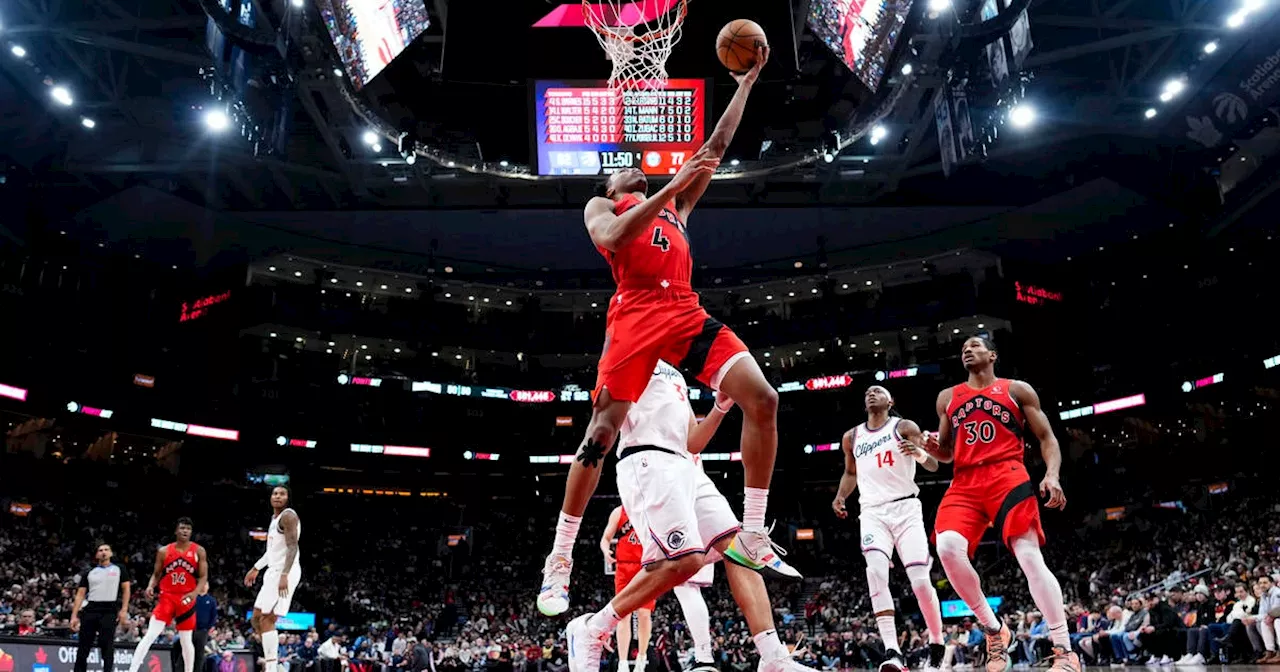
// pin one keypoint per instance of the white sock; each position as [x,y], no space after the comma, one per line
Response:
[1044,587]
[888,632]
[698,620]
[187,643]
[754,503]
[271,648]
[769,646]
[622,661]
[154,630]
[566,534]
[604,620]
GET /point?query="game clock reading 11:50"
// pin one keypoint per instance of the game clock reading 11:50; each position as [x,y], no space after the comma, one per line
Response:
[586,128]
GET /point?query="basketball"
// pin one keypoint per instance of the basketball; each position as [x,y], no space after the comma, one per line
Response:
[737,43]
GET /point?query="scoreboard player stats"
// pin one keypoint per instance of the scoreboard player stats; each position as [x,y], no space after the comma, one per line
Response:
[586,128]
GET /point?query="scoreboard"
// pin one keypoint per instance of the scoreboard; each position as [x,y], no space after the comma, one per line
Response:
[586,128]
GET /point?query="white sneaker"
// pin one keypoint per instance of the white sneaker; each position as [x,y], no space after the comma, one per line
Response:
[1183,660]
[754,550]
[1166,661]
[893,662]
[641,664]
[585,645]
[553,598]
[1197,659]
[783,664]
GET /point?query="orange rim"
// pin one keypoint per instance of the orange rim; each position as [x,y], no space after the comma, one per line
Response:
[589,16]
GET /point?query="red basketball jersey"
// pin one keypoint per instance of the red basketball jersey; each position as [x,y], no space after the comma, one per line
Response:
[988,424]
[628,549]
[180,568]
[660,252]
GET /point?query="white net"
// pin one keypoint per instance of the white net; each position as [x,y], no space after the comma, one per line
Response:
[638,37]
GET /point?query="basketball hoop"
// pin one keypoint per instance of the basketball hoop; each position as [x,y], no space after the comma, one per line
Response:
[638,37]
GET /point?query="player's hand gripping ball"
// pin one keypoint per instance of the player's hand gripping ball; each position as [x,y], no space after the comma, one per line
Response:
[739,45]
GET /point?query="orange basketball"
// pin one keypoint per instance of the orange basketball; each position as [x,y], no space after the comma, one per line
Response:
[737,43]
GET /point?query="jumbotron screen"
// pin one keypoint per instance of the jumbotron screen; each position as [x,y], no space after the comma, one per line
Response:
[586,128]
[862,33]
[369,34]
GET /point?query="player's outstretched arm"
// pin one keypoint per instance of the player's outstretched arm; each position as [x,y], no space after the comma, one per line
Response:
[943,449]
[912,445]
[722,136]
[700,433]
[849,479]
[612,231]
[1027,398]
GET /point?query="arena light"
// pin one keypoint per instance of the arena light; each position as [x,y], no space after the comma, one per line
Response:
[484,457]
[297,4]
[1271,362]
[217,121]
[878,133]
[1150,113]
[1022,115]
[18,50]
[88,123]
[89,410]
[1210,47]
[401,451]
[1203,382]
[13,392]
[62,95]
[721,457]
[1237,19]
[1172,88]
[907,69]
[294,443]
[939,6]
[197,430]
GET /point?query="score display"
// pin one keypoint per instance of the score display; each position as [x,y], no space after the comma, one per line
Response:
[586,128]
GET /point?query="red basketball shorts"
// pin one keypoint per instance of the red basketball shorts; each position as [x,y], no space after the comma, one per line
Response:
[622,576]
[998,495]
[170,609]
[647,325]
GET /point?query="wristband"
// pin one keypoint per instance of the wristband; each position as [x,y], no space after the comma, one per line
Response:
[921,456]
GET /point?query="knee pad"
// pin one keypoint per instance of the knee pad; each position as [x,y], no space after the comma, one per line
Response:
[952,546]
[919,577]
[878,581]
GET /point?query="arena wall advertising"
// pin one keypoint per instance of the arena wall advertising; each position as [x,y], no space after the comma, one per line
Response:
[43,654]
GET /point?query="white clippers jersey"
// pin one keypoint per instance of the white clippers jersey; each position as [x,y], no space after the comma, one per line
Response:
[661,416]
[277,549]
[884,473]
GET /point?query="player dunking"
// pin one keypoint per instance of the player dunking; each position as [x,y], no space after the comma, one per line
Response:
[981,428]
[282,578]
[655,314]
[181,572]
[680,518]
[880,458]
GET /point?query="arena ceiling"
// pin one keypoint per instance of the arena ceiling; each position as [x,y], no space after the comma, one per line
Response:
[136,70]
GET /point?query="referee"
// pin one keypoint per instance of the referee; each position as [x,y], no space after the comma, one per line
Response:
[104,596]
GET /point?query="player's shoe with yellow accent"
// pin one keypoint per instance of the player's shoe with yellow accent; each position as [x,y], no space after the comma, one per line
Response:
[754,550]
[1065,660]
[553,598]
[998,650]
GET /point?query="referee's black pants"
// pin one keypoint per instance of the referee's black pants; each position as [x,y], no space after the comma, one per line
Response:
[97,628]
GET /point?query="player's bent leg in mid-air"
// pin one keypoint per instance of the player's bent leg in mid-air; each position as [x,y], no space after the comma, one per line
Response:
[607,417]
[953,551]
[697,618]
[745,383]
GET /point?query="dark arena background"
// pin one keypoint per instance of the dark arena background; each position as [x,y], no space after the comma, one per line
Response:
[339,245]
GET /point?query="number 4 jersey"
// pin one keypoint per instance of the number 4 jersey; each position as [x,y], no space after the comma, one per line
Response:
[660,252]
[884,473]
[988,424]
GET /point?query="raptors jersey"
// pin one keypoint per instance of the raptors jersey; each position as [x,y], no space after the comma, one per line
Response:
[628,548]
[884,473]
[659,253]
[661,416]
[988,424]
[180,569]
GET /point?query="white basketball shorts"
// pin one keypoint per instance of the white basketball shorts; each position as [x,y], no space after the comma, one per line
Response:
[674,507]
[269,600]
[898,524]
[704,578]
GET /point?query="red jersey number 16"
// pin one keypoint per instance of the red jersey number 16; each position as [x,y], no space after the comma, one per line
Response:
[884,459]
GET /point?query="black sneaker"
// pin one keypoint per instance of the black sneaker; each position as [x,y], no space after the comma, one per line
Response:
[893,662]
[704,667]
[936,653]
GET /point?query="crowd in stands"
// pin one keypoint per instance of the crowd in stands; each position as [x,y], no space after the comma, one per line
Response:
[451,588]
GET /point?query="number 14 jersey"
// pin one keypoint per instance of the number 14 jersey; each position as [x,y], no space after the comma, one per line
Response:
[180,567]
[884,473]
